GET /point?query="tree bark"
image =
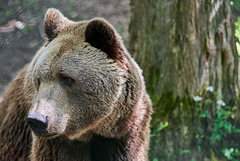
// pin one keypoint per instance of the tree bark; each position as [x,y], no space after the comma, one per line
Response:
[182,47]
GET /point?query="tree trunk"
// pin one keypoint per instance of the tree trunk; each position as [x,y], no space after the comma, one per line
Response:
[183,46]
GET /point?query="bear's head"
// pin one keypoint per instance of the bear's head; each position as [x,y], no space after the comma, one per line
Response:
[84,80]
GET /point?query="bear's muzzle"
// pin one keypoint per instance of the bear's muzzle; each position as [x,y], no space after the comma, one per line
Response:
[38,123]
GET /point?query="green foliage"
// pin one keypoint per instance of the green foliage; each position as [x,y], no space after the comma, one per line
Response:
[237,28]
[237,34]
[231,154]
[155,159]
[185,151]
[204,114]
[222,126]
[160,127]
[218,126]
[221,121]
[235,5]
[9,11]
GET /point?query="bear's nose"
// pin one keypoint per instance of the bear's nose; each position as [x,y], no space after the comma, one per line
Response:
[38,123]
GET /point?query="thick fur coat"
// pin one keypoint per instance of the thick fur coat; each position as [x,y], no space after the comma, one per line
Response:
[82,97]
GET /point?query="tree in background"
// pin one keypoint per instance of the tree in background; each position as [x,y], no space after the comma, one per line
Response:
[187,52]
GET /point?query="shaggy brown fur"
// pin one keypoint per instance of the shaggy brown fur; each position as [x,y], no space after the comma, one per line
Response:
[83,96]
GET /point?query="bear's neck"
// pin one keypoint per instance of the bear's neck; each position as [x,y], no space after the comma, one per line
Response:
[103,149]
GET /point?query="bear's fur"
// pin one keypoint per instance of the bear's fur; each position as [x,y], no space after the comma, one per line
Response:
[89,93]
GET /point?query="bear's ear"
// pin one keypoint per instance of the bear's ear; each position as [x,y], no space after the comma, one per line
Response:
[54,23]
[100,34]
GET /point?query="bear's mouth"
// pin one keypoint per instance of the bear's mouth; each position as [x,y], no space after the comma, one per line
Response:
[50,136]
[39,125]
[45,134]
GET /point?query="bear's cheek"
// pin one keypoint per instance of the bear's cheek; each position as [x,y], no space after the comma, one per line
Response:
[83,119]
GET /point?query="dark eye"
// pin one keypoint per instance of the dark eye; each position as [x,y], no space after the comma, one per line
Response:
[67,80]
[37,83]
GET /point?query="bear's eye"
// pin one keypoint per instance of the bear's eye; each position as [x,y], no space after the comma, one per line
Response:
[37,83]
[67,80]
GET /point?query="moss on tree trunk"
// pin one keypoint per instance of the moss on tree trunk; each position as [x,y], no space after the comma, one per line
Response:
[182,47]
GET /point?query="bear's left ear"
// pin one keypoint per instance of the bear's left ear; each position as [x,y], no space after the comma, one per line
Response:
[100,34]
[54,23]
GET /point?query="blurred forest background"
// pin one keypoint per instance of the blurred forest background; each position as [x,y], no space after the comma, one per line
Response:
[188,50]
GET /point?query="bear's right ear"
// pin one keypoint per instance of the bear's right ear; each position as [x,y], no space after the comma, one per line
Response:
[54,23]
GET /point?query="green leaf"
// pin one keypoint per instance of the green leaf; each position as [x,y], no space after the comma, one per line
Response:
[152,135]
[235,130]
[204,114]
[162,126]
[199,148]
[155,159]
[208,101]
[185,151]
[228,127]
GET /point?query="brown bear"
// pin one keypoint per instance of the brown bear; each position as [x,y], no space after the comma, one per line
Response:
[82,97]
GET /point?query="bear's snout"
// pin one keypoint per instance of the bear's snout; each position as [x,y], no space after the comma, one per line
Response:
[38,123]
